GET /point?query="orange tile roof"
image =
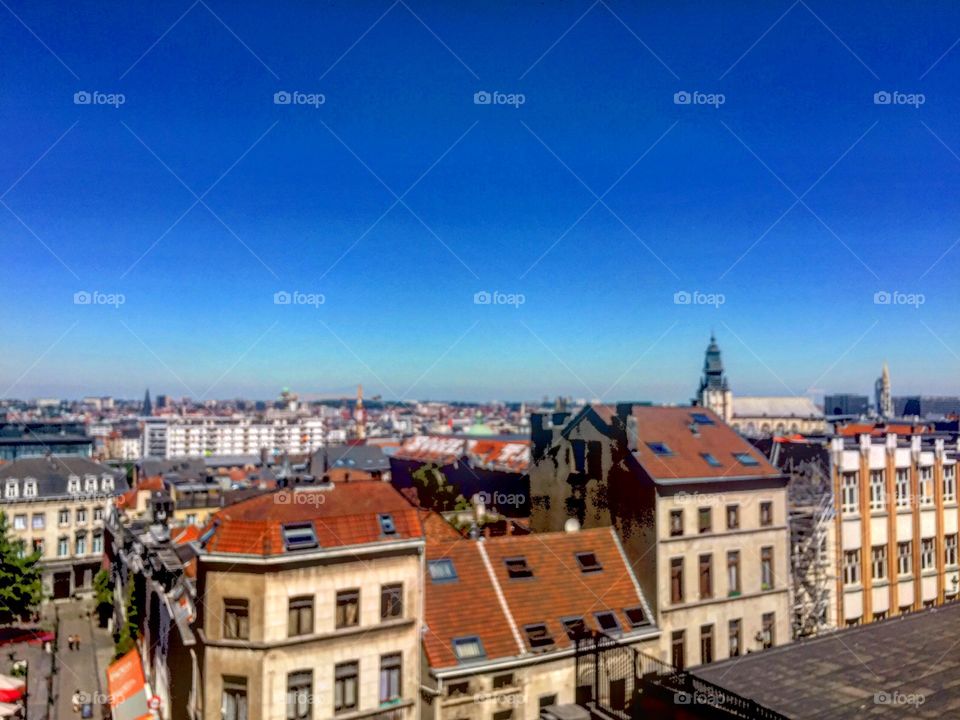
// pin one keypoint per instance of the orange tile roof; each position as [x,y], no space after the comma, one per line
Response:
[508,455]
[343,516]
[672,427]
[436,528]
[470,606]
[183,535]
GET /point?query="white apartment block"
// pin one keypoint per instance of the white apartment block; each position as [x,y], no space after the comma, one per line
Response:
[201,436]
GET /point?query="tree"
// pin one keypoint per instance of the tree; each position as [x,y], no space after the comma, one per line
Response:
[103,595]
[129,630]
[433,489]
[21,578]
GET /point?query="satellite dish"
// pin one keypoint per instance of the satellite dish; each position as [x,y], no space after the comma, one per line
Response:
[572,525]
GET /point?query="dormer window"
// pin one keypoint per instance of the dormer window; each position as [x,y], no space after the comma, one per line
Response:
[636,617]
[29,488]
[11,490]
[106,483]
[575,627]
[299,536]
[73,485]
[588,562]
[538,636]
[90,483]
[468,648]
[387,526]
[607,621]
[517,568]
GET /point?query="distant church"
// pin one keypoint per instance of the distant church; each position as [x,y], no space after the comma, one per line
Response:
[755,416]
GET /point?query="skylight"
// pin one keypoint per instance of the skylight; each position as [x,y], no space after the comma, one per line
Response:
[517,568]
[660,448]
[746,459]
[299,536]
[607,621]
[538,636]
[635,616]
[442,570]
[711,460]
[575,627]
[588,562]
[468,648]
[387,526]
[702,419]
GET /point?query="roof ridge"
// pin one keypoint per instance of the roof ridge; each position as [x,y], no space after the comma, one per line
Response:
[500,596]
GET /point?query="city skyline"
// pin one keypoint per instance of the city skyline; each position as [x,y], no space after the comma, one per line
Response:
[776,174]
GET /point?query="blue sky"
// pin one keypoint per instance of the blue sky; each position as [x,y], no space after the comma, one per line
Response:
[493,197]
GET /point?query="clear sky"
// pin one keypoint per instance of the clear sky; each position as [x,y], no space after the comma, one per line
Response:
[399,197]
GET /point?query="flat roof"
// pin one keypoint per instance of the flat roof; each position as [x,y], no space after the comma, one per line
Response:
[907,666]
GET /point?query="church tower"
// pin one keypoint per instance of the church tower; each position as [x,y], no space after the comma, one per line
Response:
[714,392]
[884,398]
[360,415]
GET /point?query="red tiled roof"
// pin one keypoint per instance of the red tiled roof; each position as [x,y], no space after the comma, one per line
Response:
[183,535]
[469,606]
[344,516]
[507,455]
[436,528]
[154,482]
[671,426]
[880,429]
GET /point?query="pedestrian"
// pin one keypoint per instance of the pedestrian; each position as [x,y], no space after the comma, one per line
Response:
[76,700]
[69,642]
[76,642]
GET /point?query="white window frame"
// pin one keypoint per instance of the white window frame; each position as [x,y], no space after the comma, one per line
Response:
[926,485]
[928,560]
[850,489]
[878,490]
[851,567]
[903,488]
[73,485]
[949,483]
[905,559]
[878,562]
[29,488]
[950,550]
[11,490]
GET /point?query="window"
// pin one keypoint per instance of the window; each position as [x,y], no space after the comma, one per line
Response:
[878,562]
[588,562]
[635,616]
[468,648]
[877,490]
[701,418]
[390,687]
[299,536]
[767,630]
[299,695]
[346,678]
[90,484]
[63,547]
[63,517]
[733,517]
[733,572]
[903,488]
[851,493]
[39,521]
[81,516]
[660,448]
[676,580]
[926,485]
[949,483]
[950,549]
[97,513]
[106,483]
[676,523]
[73,484]
[233,704]
[575,627]
[905,558]
[457,689]
[442,570]
[20,522]
[607,622]
[236,619]
[300,616]
[710,460]
[517,568]
[502,681]
[706,644]
[745,459]
[545,701]
[926,554]
[391,602]
[676,649]
[97,543]
[766,514]
[29,488]
[766,568]
[851,567]
[348,608]
[503,715]
[12,490]
[81,544]
[538,636]
[387,526]
[735,634]
[38,545]
[706,576]
[705,520]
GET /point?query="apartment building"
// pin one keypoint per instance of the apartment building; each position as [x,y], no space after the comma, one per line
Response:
[57,505]
[310,604]
[701,514]
[168,437]
[503,614]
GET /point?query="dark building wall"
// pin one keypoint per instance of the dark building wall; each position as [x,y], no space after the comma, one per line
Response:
[506,492]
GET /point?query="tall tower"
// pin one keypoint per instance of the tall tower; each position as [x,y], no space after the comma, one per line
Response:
[883,395]
[360,415]
[147,405]
[714,392]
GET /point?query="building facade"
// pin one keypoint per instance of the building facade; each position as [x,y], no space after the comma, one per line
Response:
[199,436]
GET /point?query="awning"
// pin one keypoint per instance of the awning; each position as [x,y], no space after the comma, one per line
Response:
[11,689]
[127,689]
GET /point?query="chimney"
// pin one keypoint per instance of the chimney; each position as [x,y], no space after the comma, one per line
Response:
[624,410]
[559,418]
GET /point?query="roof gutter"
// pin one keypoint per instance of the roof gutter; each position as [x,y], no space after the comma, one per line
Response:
[351,550]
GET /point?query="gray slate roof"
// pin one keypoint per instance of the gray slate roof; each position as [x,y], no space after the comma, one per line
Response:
[53,472]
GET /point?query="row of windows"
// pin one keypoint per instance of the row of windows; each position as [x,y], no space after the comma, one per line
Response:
[705,518]
[879,500]
[11,487]
[766,638]
[616,694]
[38,521]
[443,570]
[300,612]
[706,577]
[300,694]
[80,545]
[878,559]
